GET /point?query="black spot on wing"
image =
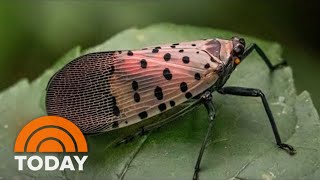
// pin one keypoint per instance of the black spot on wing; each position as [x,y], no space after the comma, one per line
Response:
[136,97]
[116,111]
[185,59]
[130,53]
[135,85]
[183,87]
[197,76]
[114,101]
[188,95]
[167,57]
[143,63]
[162,107]
[167,74]
[115,124]
[158,93]
[143,115]
[112,69]
[172,103]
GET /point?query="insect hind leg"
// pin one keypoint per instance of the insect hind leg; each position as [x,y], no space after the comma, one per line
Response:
[264,57]
[207,101]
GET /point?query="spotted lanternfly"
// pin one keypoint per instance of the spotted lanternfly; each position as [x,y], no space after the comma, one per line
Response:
[104,91]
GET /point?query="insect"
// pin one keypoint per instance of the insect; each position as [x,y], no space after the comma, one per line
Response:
[104,91]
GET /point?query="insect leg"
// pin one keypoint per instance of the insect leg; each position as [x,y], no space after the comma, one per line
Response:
[254,46]
[207,100]
[156,125]
[241,91]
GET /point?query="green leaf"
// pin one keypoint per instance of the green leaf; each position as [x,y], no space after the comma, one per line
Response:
[242,145]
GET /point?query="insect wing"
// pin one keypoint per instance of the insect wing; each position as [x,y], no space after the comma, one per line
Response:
[107,90]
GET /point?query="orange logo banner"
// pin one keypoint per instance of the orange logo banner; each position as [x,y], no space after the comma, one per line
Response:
[50,134]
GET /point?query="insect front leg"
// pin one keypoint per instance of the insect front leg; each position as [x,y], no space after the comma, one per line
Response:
[207,100]
[241,91]
[263,56]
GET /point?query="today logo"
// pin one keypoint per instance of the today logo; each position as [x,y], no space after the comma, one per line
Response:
[50,134]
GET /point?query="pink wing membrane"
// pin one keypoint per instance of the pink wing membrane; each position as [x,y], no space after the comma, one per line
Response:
[183,65]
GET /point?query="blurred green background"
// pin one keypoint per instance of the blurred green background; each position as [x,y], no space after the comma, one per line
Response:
[34,34]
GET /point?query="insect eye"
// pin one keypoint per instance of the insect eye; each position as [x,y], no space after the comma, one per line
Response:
[242,41]
[238,50]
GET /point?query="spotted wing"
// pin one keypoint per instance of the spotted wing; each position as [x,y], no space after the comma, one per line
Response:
[107,90]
